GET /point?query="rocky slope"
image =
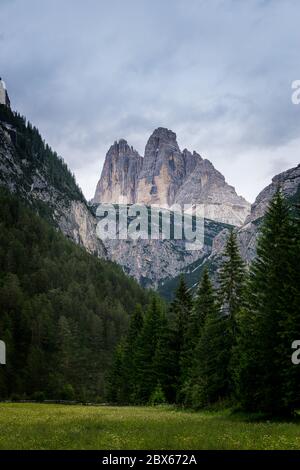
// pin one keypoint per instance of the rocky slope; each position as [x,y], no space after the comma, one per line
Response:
[289,182]
[166,176]
[30,169]
[152,262]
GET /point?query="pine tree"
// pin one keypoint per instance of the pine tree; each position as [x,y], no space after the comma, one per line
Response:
[145,359]
[204,303]
[179,345]
[232,281]
[116,379]
[232,285]
[131,351]
[212,355]
[208,378]
[266,379]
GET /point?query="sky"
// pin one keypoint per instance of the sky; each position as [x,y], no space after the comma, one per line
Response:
[216,72]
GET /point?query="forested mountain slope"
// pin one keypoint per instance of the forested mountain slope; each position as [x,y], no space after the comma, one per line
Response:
[62,310]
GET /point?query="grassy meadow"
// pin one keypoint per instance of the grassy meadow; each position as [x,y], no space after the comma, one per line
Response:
[44,426]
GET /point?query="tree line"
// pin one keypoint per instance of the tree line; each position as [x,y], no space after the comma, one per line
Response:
[230,344]
[62,311]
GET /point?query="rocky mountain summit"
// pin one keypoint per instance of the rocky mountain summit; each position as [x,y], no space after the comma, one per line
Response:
[167,176]
[119,175]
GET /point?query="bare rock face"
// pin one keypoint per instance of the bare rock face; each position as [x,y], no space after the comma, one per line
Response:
[79,224]
[118,180]
[167,176]
[151,261]
[72,216]
[205,185]
[288,181]
[163,169]
[247,234]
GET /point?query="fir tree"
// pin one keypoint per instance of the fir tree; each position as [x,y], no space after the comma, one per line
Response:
[204,303]
[266,379]
[179,345]
[145,359]
[212,355]
[232,281]
[208,379]
[131,351]
[116,381]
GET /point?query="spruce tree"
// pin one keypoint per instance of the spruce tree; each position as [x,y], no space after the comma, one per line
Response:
[211,381]
[203,304]
[232,281]
[131,350]
[207,381]
[116,392]
[266,379]
[179,345]
[145,358]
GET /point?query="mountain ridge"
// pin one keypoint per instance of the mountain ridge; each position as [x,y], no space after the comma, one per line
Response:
[166,176]
[30,169]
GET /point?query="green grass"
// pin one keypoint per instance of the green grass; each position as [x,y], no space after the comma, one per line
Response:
[43,426]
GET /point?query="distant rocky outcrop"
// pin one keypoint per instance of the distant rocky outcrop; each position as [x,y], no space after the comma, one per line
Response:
[118,181]
[289,183]
[247,235]
[166,176]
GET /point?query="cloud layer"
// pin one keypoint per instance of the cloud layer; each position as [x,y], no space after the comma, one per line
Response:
[217,72]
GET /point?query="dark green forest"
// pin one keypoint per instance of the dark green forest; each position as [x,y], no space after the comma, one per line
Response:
[62,311]
[227,345]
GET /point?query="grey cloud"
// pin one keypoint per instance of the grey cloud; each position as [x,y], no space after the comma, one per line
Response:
[217,72]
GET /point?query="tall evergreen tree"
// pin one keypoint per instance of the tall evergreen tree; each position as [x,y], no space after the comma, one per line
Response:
[131,354]
[179,345]
[266,379]
[116,392]
[208,379]
[204,303]
[145,359]
[232,281]
[212,355]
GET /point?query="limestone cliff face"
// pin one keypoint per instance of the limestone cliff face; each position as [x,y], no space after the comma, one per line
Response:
[79,224]
[163,169]
[167,176]
[247,234]
[29,178]
[205,185]
[118,182]
[289,183]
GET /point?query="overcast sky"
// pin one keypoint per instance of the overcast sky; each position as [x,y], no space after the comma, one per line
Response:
[216,72]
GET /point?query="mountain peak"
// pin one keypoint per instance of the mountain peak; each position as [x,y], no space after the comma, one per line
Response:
[167,175]
[119,174]
[163,133]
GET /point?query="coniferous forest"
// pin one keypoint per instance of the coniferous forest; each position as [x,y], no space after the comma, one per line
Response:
[228,345]
[78,329]
[62,310]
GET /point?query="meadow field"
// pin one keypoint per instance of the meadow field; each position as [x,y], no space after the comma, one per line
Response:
[44,426]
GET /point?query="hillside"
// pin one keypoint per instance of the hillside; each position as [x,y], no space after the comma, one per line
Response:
[62,311]
[33,171]
[289,183]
